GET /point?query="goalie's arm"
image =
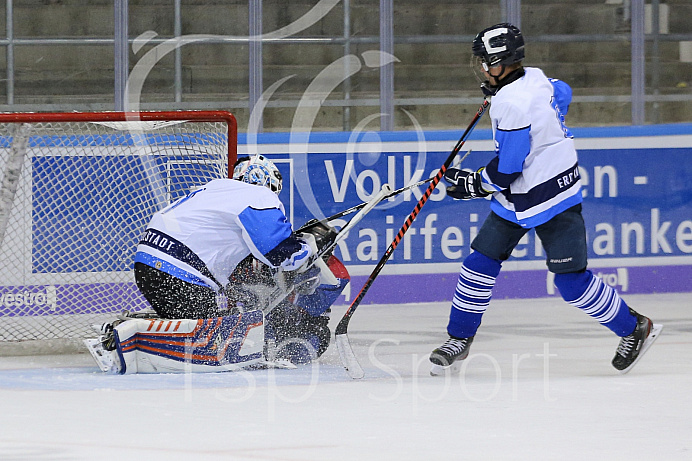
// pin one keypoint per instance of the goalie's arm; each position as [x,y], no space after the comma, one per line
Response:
[271,239]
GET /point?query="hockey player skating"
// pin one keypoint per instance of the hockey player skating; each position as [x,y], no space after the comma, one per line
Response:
[534,182]
[228,240]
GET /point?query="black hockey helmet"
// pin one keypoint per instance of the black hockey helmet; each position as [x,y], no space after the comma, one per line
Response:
[501,44]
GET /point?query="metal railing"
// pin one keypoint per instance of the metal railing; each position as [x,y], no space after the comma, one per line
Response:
[386,100]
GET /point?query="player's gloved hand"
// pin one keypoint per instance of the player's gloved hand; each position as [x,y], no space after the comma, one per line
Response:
[465,185]
[488,89]
[323,233]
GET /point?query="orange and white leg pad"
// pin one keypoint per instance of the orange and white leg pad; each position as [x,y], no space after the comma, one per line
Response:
[183,346]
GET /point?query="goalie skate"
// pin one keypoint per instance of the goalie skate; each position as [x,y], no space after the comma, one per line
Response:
[107,361]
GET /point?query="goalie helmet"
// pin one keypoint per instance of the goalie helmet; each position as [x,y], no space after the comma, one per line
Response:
[501,44]
[258,170]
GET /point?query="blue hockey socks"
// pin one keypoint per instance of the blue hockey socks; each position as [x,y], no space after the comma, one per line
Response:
[588,292]
[472,294]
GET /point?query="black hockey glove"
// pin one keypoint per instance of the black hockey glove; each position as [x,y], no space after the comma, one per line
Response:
[324,234]
[465,185]
[488,89]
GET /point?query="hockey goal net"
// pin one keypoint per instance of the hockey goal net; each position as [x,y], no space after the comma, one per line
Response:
[77,191]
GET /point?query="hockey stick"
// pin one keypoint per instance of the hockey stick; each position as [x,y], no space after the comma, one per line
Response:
[280,293]
[348,358]
[313,222]
[385,192]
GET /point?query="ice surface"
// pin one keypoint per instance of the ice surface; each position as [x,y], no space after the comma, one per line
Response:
[538,385]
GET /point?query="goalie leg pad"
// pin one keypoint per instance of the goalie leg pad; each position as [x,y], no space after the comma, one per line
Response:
[186,345]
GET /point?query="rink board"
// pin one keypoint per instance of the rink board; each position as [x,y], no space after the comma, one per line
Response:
[637,208]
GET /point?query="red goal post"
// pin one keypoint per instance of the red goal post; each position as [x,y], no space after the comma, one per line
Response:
[76,191]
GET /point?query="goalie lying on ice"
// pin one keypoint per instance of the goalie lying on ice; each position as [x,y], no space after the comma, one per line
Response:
[273,303]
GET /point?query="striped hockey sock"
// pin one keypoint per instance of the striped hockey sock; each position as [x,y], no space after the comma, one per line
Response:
[588,292]
[472,294]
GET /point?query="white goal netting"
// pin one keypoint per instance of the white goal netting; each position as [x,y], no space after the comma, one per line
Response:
[77,191]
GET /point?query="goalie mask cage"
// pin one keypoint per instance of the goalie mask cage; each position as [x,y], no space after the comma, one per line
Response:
[77,191]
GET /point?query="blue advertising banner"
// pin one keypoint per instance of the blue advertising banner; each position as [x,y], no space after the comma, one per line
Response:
[637,208]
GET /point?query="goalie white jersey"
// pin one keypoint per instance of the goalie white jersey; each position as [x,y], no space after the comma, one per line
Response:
[203,236]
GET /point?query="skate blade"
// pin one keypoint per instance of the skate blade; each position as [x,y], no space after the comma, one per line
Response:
[103,358]
[440,370]
[281,364]
[653,336]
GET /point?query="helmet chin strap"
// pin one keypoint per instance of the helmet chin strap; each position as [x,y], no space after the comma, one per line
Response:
[487,86]
[490,90]
[497,77]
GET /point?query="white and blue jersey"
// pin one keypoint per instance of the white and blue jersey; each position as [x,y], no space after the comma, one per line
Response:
[535,174]
[203,236]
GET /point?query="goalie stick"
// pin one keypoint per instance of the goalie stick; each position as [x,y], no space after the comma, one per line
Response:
[280,293]
[348,358]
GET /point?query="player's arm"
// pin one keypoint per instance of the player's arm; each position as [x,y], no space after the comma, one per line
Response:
[278,258]
[271,239]
[507,165]
[512,145]
[512,148]
[562,95]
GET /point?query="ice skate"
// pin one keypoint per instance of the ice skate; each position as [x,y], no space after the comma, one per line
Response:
[107,360]
[449,355]
[633,347]
[102,349]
